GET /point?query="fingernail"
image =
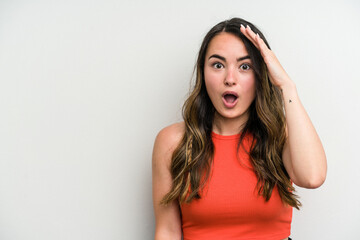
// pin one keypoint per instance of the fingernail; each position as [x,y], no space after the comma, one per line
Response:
[242,26]
[258,35]
[248,27]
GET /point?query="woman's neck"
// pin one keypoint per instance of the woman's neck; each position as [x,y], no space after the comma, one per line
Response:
[229,126]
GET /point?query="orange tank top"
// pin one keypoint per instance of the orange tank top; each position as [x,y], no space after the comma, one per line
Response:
[230,207]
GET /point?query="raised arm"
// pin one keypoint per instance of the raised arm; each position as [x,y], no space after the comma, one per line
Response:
[303,155]
[168,220]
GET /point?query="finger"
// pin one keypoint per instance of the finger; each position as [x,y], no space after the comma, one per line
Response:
[247,32]
[264,50]
[261,44]
[257,41]
[250,32]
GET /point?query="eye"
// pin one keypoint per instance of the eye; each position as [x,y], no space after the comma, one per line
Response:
[245,66]
[217,65]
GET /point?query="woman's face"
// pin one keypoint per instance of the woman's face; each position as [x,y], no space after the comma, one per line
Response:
[229,77]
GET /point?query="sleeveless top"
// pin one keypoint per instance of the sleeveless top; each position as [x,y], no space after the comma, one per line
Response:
[230,207]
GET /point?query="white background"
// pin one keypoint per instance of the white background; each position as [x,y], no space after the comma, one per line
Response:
[85,86]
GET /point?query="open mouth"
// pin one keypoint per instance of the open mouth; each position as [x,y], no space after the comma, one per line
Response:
[230,98]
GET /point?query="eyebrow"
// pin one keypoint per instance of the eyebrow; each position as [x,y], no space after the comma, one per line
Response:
[222,58]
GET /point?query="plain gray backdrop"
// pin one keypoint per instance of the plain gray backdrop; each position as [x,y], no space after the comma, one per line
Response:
[85,86]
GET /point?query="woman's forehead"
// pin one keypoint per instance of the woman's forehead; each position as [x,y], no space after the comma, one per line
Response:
[227,44]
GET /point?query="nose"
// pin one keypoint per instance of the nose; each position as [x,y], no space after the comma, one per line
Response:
[230,78]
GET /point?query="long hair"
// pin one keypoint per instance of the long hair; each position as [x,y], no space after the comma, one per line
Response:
[191,160]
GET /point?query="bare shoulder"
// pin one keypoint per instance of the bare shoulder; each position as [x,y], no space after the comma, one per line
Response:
[168,220]
[172,134]
[167,140]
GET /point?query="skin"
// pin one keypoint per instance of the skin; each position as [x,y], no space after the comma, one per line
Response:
[303,155]
[224,72]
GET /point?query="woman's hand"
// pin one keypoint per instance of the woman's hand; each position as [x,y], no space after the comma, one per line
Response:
[277,74]
[303,154]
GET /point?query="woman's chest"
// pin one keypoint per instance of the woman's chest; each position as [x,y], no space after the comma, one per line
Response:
[231,193]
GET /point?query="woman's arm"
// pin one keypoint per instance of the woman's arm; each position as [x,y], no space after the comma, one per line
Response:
[168,221]
[303,155]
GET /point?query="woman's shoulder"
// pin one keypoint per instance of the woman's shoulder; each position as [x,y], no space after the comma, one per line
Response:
[175,129]
[171,135]
[167,140]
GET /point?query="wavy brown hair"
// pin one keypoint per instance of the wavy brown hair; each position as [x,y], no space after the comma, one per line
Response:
[192,159]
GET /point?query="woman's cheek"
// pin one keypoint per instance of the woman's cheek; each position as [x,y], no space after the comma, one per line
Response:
[248,82]
[213,77]
[211,80]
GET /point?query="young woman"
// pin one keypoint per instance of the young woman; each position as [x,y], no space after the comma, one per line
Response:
[227,171]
